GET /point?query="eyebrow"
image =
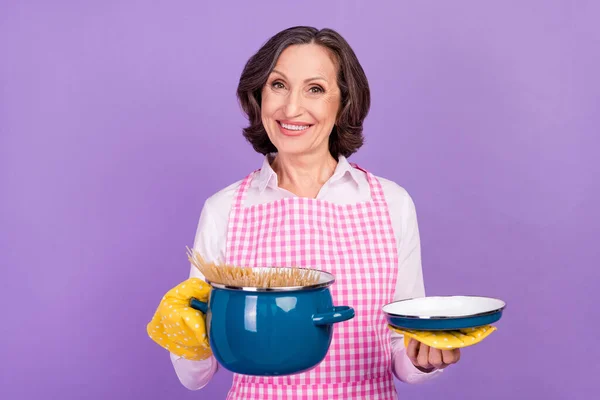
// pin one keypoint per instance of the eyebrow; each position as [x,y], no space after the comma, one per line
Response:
[306,80]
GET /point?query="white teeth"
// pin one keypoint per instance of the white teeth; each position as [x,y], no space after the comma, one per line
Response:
[295,127]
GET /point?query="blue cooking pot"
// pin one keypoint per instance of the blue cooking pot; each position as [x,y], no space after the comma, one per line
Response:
[271,331]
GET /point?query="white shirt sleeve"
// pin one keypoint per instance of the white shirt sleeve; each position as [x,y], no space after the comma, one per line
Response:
[409,283]
[209,242]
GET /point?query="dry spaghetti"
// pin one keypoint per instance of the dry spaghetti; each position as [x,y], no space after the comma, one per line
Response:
[253,277]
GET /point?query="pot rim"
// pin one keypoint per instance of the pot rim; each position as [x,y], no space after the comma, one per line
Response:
[326,280]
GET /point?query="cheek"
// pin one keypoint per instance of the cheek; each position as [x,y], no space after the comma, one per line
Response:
[268,110]
[269,106]
[328,110]
[265,101]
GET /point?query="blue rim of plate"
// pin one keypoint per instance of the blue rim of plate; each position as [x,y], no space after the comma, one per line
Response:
[443,322]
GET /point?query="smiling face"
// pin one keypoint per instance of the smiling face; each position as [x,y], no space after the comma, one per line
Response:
[301,100]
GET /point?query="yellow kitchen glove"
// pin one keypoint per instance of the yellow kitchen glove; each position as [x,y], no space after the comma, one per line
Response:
[446,340]
[178,327]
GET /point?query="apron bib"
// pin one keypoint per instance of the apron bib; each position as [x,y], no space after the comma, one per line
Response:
[355,243]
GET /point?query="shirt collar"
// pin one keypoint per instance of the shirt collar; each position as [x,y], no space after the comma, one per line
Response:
[267,176]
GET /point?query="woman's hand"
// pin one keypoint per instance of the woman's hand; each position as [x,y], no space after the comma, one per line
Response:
[178,327]
[428,359]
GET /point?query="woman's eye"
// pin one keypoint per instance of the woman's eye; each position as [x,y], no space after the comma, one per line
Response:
[316,89]
[277,85]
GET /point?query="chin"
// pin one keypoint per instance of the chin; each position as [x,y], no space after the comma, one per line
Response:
[291,149]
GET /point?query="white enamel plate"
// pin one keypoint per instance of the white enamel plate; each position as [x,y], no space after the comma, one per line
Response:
[444,312]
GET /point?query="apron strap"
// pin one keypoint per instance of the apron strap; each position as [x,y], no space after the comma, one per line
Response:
[240,193]
[377,194]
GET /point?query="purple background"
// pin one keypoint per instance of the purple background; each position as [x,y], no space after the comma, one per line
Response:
[118,118]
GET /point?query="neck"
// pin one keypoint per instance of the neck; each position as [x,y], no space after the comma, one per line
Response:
[304,175]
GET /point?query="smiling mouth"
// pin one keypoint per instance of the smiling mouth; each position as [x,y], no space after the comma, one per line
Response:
[293,129]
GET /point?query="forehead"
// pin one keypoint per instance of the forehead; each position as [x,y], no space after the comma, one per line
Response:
[306,61]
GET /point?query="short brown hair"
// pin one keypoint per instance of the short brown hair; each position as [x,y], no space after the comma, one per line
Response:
[346,136]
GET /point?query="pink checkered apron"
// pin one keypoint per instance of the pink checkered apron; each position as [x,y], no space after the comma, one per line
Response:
[356,244]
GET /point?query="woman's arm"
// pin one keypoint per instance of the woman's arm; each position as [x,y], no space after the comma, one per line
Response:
[409,283]
[209,242]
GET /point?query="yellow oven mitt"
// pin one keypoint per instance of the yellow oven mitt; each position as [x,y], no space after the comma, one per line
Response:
[178,327]
[445,340]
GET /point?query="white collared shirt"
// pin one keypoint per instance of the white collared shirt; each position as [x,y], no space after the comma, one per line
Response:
[347,185]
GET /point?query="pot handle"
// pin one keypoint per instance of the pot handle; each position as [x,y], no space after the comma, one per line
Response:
[338,314]
[199,305]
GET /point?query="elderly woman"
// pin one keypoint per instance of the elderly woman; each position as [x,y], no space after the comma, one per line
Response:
[306,96]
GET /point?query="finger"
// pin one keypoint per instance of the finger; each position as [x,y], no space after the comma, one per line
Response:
[456,355]
[450,356]
[423,357]
[413,350]
[435,358]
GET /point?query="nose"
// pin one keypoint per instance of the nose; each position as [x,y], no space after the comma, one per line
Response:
[293,105]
